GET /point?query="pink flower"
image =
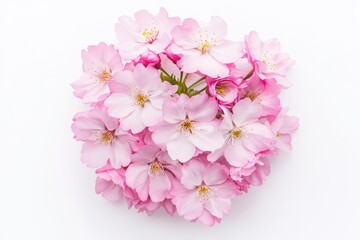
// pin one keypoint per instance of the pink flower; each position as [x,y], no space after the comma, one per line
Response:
[149,59]
[172,56]
[225,90]
[150,207]
[204,47]
[254,172]
[264,92]
[283,126]
[204,190]
[103,139]
[145,33]
[100,63]
[267,58]
[151,173]
[189,125]
[137,98]
[244,134]
[110,182]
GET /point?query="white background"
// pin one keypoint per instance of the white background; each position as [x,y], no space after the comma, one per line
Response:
[46,193]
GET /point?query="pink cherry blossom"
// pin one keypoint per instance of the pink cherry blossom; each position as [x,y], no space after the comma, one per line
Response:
[204,189]
[254,172]
[146,33]
[150,207]
[189,125]
[204,48]
[151,173]
[244,134]
[110,182]
[100,63]
[149,59]
[264,92]
[225,90]
[267,58]
[137,98]
[283,126]
[103,139]
[188,121]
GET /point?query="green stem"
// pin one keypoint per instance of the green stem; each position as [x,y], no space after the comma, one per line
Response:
[198,81]
[186,76]
[165,72]
[181,76]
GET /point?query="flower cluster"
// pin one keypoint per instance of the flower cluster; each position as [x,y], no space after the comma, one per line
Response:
[181,117]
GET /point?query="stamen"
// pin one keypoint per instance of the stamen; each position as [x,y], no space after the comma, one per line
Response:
[236,133]
[105,76]
[106,136]
[150,34]
[204,193]
[186,126]
[251,95]
[156,169]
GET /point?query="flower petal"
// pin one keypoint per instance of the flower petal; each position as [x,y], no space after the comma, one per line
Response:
[159,188]
[180,149]
[95,154]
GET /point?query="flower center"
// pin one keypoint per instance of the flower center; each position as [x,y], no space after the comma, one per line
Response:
[220,89]
[107,137]
[204,193]
[270,63]
[251,95]
[205,47]
[205,41]
[105,76]
[236,133]
[156,169]
[141,99]
[187,126]
[150,34]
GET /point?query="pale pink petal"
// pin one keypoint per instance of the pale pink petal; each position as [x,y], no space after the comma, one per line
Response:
[188,205]
[150,115]
[215,174]
[225,190]
[258,137]
[136,175]
[180,149]
[159,188]
[164,134]
[120,153]
[133,122]
[218,206]
[227,52]
[237,155]
[95,154]
[208,219]
[146,154]
[174,110]
[201,108]
[204,63]
[246,111]
[143,190]
[215,155]
[192,174]
[119,105]
[183,35]
[206,137]
[114,193]
[102,185]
